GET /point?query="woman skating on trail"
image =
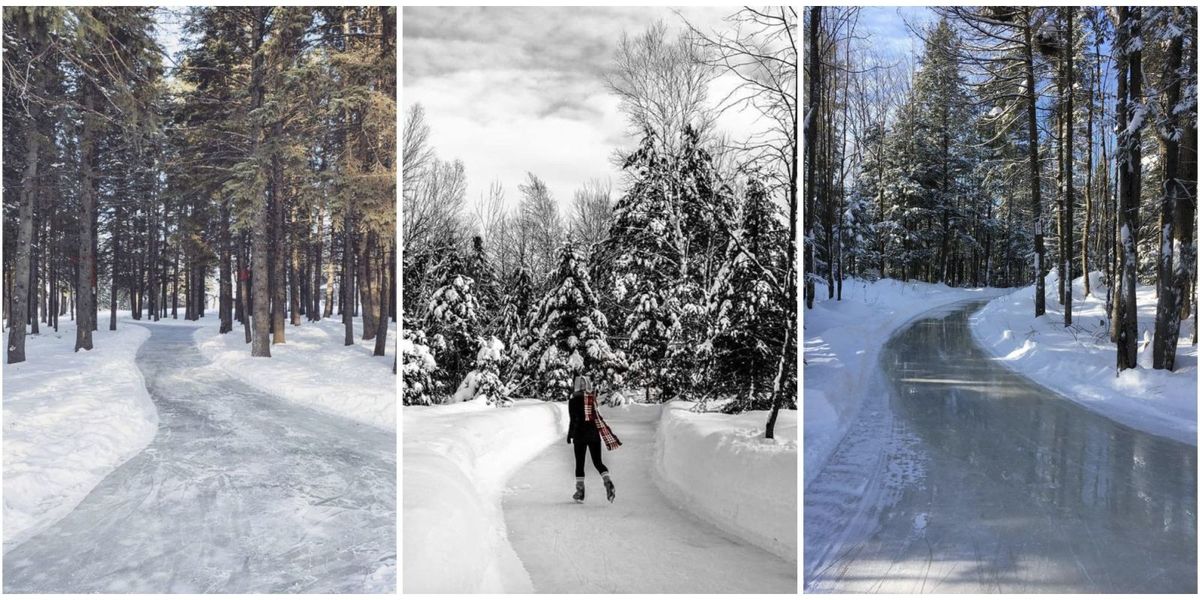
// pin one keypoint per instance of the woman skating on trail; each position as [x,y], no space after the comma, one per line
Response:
[587,429]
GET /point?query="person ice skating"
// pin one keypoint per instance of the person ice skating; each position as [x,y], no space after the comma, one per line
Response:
[587,429]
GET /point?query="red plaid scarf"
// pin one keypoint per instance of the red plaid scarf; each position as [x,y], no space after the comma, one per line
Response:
[591,414]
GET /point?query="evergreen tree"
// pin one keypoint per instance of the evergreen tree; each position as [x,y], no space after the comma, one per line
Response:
[420,368]
[452,322]
[750,320]
[567,334]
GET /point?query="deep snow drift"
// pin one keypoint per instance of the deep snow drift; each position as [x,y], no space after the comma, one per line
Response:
[841,350]
[721,469]
[313,368]
[70,418]
[457,458]
[1080,362]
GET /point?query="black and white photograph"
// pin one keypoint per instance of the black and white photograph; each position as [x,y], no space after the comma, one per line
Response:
[599,304]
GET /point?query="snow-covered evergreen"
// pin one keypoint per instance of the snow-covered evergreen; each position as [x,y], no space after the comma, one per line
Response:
[567,334]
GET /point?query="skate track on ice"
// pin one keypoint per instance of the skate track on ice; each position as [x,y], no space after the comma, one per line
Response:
[239,492]
[963,476]
[640,543]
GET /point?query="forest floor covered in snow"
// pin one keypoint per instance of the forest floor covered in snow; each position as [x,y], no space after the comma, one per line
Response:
[841,348]
[1079,362]
[313,368]
[70,418]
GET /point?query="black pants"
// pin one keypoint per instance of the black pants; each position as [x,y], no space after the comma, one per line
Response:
[586,442]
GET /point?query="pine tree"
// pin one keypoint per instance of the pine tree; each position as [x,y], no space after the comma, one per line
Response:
[750,318]
[419,369]
[567,334]
[452,322]
[645,243]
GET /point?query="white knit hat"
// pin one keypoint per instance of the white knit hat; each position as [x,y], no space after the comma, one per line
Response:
[582,383]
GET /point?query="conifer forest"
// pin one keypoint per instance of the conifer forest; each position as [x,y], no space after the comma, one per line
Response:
[200,299]
[257,166]
[672,282]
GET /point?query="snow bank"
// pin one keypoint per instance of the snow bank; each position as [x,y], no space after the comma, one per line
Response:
[721,469]
[841,349]
[70,418]
[314,368]
[1080,363]
[456,460]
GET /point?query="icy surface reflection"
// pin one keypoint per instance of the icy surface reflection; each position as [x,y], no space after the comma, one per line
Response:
[238,492]
[1018,490]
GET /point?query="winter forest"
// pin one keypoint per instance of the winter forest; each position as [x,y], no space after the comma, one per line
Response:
[999,299]
[254,170]
[200,299]
[1013,143]
[674,282]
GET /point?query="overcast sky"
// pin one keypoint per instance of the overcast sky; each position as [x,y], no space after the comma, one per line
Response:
[516,90]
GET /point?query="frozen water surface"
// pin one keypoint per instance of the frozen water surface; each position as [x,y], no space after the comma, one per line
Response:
[238,492]
[963,476]
[641,543]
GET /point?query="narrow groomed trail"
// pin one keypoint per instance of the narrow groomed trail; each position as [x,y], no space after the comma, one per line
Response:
[962,476]
[641,543]
[239,492]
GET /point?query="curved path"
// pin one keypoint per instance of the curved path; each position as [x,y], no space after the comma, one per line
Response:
[962,476]
[238,492]
[641,543]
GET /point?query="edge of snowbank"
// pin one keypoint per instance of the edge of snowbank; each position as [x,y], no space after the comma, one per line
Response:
[310,370]
[1158,402]
[80,418]
[720,469]
[456,460]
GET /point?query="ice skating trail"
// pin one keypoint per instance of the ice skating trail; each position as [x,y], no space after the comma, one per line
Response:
[642,542]
[238,492]
[963,476]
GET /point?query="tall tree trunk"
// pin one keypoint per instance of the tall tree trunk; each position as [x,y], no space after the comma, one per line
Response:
[278,247]
[1131,168]
[381,324]
[329,275]
[86,284]
[347,287]
[811,133]
[1087,189]
[1170,300]
[225,273]
[368,296]
[118,213]
[260,344]
[317,266]
[19,303]
[293,272]
[1039,244]
[1068,249]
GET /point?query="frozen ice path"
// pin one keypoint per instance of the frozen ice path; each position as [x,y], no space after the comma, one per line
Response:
[238,492]
[641,543]
[966,477]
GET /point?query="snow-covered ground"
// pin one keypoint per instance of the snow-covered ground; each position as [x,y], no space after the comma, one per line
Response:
[721,469]
[1080,362]
[70,418]
[841,348]
[457,458]
[313,368]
